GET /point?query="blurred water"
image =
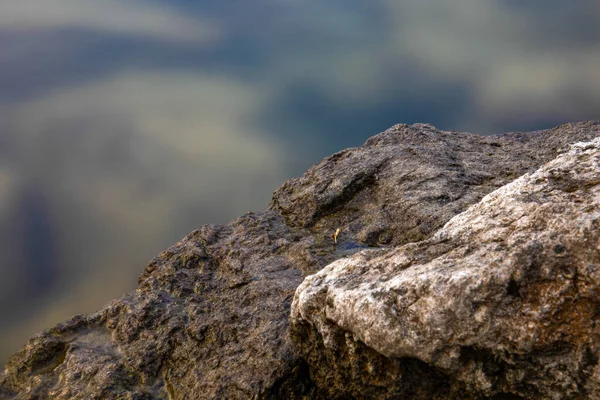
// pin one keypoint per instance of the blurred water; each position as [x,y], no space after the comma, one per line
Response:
[125,125]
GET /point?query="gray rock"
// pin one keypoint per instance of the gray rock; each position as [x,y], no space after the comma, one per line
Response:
[208,320]
[504,300]
[405,183]
[210,317]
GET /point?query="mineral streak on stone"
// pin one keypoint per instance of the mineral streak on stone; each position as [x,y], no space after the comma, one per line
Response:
[503,300]
[210,318]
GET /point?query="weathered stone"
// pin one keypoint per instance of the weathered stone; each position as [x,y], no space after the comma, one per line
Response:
[503,301]
[405,183]
[210,317]
[208,320]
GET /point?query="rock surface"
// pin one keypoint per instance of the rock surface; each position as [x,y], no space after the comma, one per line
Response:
[210,317]
[405,183]
[504,300]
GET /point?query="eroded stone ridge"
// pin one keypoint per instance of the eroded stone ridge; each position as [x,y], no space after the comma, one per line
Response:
[405,183]
[210,317]
[503,300]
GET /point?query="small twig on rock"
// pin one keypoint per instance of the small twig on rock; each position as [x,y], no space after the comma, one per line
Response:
[335,235]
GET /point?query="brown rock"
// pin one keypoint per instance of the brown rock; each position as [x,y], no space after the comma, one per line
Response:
[503,301]
[210,316]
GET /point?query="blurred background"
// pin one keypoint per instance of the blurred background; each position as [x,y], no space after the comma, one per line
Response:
[126,124]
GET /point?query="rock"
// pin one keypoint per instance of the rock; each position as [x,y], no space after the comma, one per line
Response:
[210,317]
[208,320]
[405,183]
[503,301]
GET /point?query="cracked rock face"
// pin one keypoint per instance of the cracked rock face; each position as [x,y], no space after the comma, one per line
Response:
[210,318]
[504,300]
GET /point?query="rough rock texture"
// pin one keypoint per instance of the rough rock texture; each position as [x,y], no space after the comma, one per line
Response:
[405,183]
[210,316]
[208,320]
[504,300]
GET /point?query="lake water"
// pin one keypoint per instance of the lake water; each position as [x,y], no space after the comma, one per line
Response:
[126,124]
